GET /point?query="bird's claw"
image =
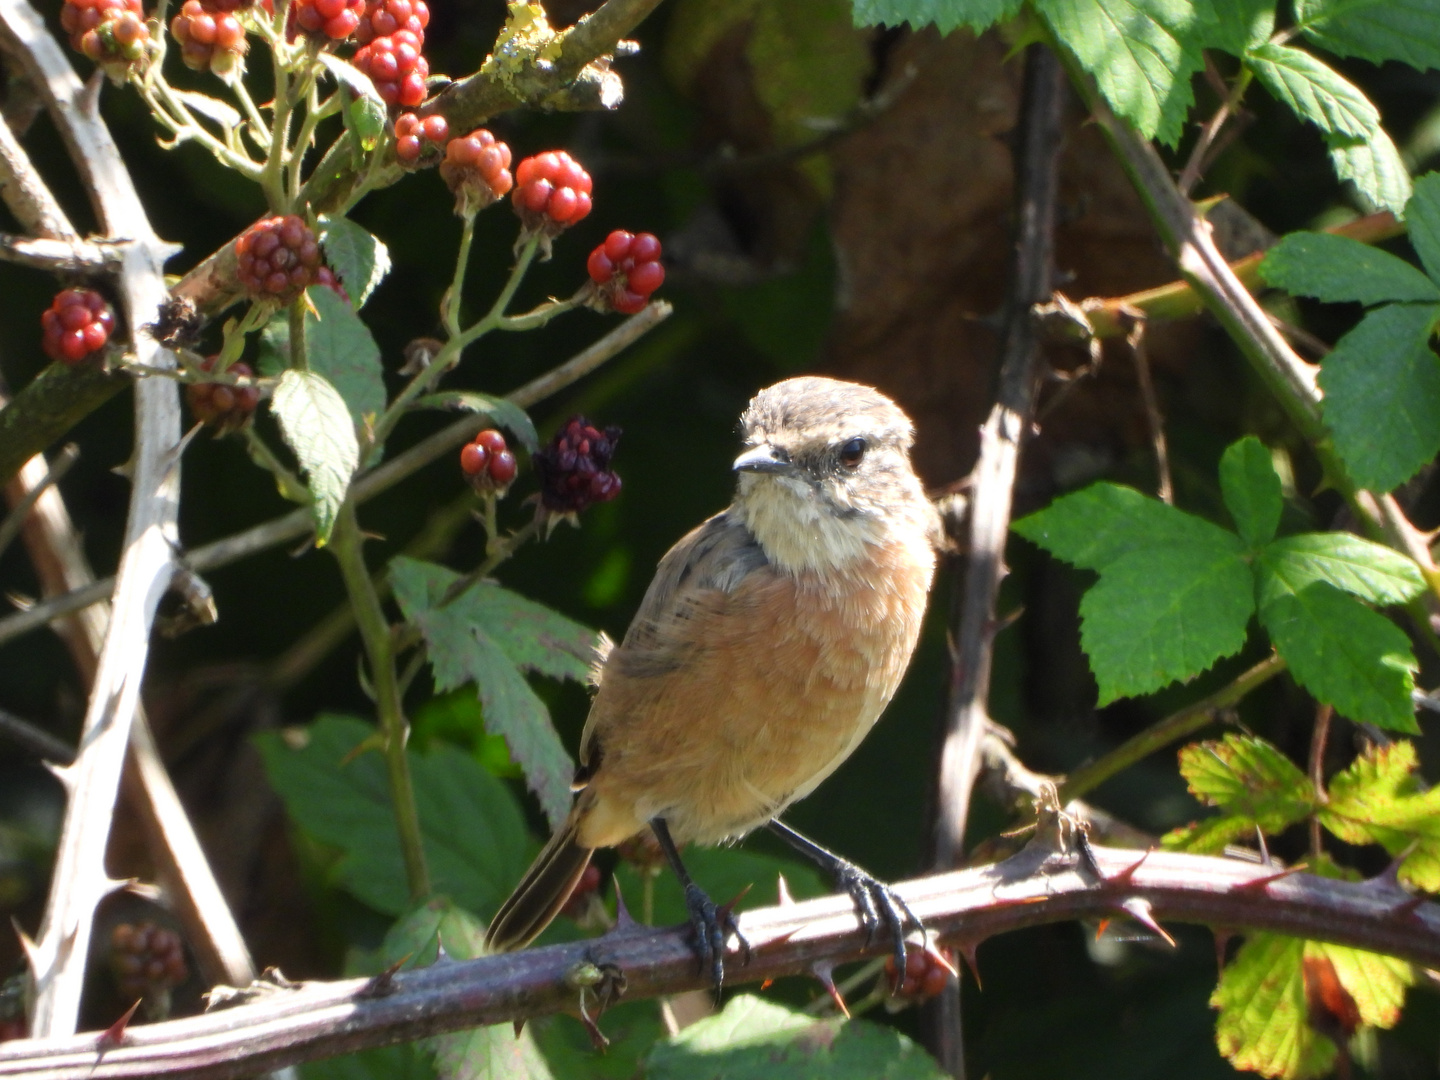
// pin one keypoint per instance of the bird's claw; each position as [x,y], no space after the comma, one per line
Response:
[712,923]
[876,904]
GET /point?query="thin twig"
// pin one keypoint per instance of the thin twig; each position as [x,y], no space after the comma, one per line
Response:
[1037,154]
[59,256]
[1036,887]
[1136,340]
[1199,155]
[79,880]
[301,522]
[53,474]
[1318,739]
[1163,732]
[35,739]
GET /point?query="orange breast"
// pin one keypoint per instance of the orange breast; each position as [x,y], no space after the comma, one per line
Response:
[783,678]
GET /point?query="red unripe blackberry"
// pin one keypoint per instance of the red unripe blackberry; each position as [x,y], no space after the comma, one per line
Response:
[488,462]
[112,33]
[220,405]
[477,171]
[277,258]
[384,17]
[552,192]
[574,469]
[396,67]
[334,19]
[208,38]
[625,270]
[585,888]
[925,976]
[147,960]
[77,324]
[412,133]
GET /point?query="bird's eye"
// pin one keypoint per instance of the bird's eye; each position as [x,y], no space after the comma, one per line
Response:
[852,452]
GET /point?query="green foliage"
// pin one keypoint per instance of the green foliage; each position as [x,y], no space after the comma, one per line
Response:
[1241,24]
[317,425]
[338,346]
[403,1062]
[1251,782]
[1379,799]
[357,256]
[1176,592]
[725,873]
[334,787]
[945,15]
[505,413]
[488,636]
[1262,1025]
[751,1039]
[366,113]
[1382,378]
[1375,30]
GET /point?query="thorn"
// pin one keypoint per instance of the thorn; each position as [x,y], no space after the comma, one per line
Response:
[519,1026]
[1101,927]
[27,944]
[1406,909]
[441,956]
[114,885]
[787,898]
[939,957]
[1264,850]
[383,984]
[114,1035]
[1389,878]
[825,972]
[624,921]
[966,951]
[64,773]
[364,746]
[1123,878]
[1139,910]
[1261,883]
[767,984]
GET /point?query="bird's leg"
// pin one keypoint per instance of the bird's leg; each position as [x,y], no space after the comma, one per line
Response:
[875,902]
[710,921]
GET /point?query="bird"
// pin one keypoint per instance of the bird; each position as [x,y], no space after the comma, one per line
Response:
[765,648]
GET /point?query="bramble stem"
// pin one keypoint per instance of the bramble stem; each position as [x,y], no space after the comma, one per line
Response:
[346,543]
[1177,725]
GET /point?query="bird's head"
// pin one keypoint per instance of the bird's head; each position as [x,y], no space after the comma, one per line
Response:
[825,471]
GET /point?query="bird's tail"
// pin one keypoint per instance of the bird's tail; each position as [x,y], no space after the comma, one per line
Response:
[542,892]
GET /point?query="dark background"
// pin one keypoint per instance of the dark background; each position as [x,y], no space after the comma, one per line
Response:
[880,257]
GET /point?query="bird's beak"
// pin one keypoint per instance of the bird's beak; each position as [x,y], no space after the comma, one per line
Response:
[764,459]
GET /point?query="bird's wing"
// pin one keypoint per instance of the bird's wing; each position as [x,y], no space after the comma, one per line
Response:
[702,570]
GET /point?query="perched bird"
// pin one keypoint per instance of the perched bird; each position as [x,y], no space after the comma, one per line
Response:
[765,648]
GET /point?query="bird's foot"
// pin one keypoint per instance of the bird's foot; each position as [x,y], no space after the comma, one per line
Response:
[711,923]
[876,904]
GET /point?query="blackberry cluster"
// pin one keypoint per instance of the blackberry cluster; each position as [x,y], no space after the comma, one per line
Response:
[625,270]
[148,960]
[412,133]
[925,976]
[334,19]
[574,470]
[488,462]
[396,67]
[477,171]
[209,35]
[77,324]
[221,406]
[384,17]
[279,257]
[552,192]
[112,33]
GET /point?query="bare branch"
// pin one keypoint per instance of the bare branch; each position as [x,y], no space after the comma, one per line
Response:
[26,193]
[1035,887]
[79,880]
[59,256]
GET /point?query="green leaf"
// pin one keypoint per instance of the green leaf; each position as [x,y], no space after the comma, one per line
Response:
[1140,52]
[1262,1025]
[1381,383]
[339,346]
[1375,30]
[753,1039]
[1313,91]
[495,1052]
[1338,269]
[1104,522]
[317,425]
[1379,799]
[1338,649]
[1377,983]
[473,831]
[505,413]
[485,636]
[351,77]
[1243,774]
[1251,488]
[723,872]
[632,1027]
[1422,214]
[946,15]
[360,259]
[1241,24]
[1371,571]
[403,1062]
[1166,613]
[1375,167]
